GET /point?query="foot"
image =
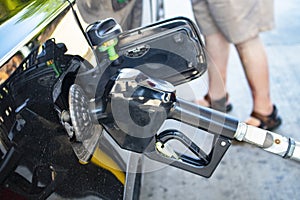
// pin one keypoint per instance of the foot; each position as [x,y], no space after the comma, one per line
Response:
[222,104]
[202,102]
[253,121]
[267,122]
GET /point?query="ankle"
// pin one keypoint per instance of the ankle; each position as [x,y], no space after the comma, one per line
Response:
[264,110]
[216,97]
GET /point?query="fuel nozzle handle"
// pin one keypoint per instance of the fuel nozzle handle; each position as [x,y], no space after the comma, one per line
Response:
[222,126]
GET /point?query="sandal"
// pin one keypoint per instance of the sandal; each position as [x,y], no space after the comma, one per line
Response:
[220,105]
[269,122]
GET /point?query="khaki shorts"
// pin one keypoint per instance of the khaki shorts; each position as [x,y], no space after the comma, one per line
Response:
[238,20]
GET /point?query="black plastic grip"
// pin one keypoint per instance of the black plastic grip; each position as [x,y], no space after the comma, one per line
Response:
[207,119]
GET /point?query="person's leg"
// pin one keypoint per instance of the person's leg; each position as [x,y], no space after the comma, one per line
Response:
[254,60]
[217,52]
[210,18]
[217,49]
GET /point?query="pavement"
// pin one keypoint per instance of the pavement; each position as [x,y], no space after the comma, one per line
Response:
[247,172]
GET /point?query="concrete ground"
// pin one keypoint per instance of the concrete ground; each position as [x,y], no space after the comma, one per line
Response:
[247,172]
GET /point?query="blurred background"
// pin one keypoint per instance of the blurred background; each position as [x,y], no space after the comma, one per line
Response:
[245,172]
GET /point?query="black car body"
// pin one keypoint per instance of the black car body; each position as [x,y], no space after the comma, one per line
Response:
[25,25]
